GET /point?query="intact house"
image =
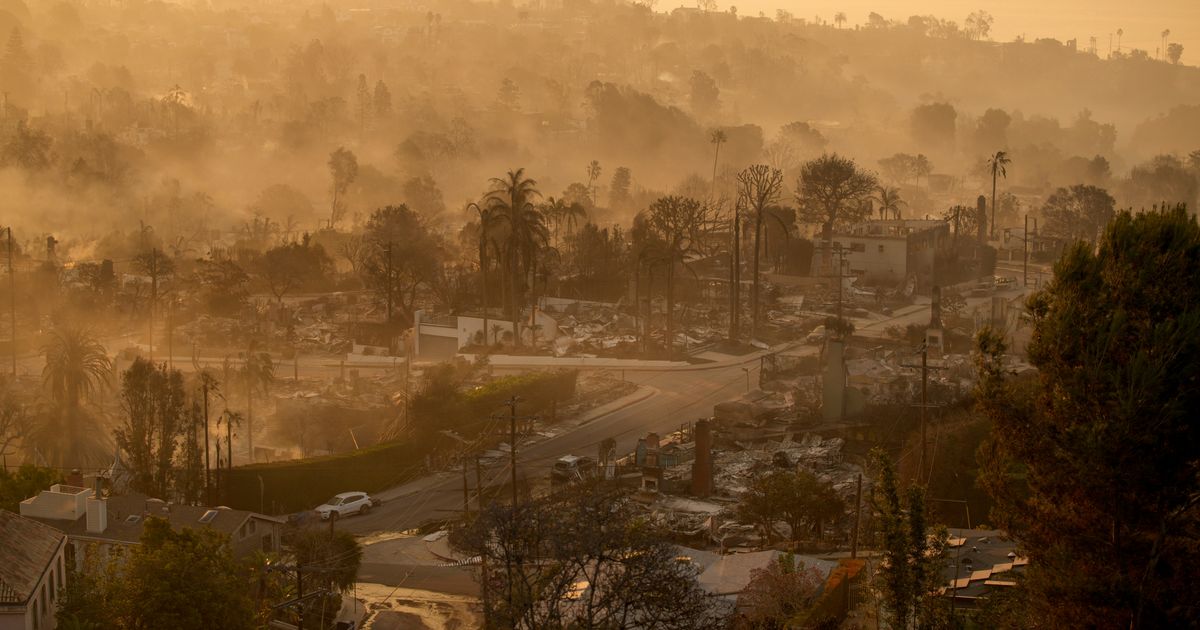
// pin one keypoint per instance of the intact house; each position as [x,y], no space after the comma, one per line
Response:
[885,252]
[98,527]
[33,572]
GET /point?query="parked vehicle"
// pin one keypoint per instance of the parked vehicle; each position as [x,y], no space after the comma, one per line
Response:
[346,504]
[817,335]
[570,468]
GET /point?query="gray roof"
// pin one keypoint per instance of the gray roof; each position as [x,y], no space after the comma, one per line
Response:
[730,574]
[27,548]
[127,514]
[978,561]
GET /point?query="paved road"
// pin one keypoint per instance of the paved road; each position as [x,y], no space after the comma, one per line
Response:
[675,397]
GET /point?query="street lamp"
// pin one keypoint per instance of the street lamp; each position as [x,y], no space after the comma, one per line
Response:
[747,371]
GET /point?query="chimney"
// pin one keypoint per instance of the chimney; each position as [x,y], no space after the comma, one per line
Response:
[981,213]
[702,469]
[935,307]
[97,511]
[652,450]
[75,478]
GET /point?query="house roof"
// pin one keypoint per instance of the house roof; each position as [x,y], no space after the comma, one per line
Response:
[27,548]
[730,574]
[127,515]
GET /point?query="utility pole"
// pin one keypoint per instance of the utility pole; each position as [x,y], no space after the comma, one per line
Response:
[478,484]
[390,283]
[207,483]
[300,596]
[1025,273]
[922,475]
[249,405]
[735,275]
[512,440]
[153,296]
[857,512]
[466,490]
[12,295]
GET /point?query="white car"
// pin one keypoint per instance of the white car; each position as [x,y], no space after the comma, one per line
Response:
[345,504]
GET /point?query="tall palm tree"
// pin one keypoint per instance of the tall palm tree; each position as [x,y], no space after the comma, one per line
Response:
[1165,34]
[487,223]
[1120,32]
[998,164]
[511,200]
[717,138]
[889,201]
[839,18]
[76,367]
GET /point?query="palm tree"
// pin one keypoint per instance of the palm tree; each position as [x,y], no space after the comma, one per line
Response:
[998,164]
[487,222]
[593,173]
[76,366]
[1165,34]
[1120,32]
[717,137]
[839,18]
[889,201]
[511,201]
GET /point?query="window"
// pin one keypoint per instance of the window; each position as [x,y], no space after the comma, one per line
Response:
[268,543]
[53,581]
[250,525]
[858,247]
[881,249]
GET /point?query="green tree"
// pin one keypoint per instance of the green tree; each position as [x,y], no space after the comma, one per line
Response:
[912,553]
[778,596]
[582,558]
[333,560]
[185,580]
[294,266]
[831,192]
[1092,464]
[343,170]
[402,256]
[156,417]
[76,368]
[619,188]
[796,498]
[704,95]
[1175,52]
[1079,212]
[25,482]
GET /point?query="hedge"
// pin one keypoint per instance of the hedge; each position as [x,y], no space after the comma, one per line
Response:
[301,484]
[538,391]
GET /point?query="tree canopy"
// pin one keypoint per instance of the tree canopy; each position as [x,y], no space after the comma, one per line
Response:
[1092,462]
